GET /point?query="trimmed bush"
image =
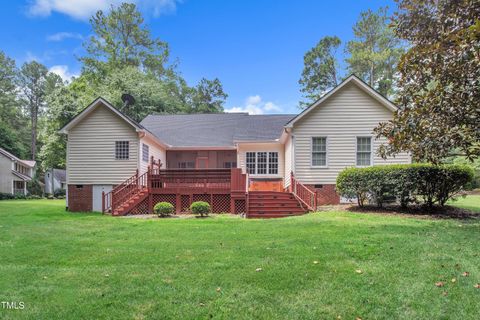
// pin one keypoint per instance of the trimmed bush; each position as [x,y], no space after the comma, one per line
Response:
[200,207]
[163,209]
[404,183]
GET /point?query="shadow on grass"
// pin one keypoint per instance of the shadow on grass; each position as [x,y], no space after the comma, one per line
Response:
[437,212]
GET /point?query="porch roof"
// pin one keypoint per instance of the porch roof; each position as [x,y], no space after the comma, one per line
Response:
[215,129]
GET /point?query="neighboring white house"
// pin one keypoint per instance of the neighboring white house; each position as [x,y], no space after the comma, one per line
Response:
[55,179]
[14,173]
[105,147]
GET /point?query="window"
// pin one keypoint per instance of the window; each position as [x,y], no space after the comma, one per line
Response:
[319,151]
[186,165]
[229,164]
[145,152]
[364,151]
[251,162]
[121,150]
[262,162]
[273,163]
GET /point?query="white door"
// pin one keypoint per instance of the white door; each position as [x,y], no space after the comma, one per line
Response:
[97,196]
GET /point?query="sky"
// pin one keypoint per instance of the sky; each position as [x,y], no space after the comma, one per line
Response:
[255,48]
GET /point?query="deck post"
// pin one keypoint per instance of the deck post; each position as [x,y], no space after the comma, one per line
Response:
[178,203]
[232,205]
[103,202]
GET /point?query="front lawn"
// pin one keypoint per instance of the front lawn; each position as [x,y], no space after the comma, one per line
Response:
[319,266]
[471,202]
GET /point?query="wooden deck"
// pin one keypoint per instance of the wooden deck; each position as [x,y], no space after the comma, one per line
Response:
[226,190]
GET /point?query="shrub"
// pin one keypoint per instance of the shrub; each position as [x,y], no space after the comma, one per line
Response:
[200,207]
[59,192]
[163,209]
[6,196]
[405,183]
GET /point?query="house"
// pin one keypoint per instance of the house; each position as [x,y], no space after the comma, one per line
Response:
[264,165]
[14,173]
[55,179]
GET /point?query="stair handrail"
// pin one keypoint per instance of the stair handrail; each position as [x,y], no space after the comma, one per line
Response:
[304,194]
[124,191]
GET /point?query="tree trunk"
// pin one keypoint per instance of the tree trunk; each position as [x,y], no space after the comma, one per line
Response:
[34,111]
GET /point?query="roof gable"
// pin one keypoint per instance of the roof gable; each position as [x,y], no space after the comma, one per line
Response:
[353,80]
[93,106]
[28,163]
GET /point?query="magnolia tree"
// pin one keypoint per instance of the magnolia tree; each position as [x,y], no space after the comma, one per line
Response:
[438,90]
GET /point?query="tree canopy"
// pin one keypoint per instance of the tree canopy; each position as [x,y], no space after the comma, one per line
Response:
[375,50]
[320,72]
[439,81]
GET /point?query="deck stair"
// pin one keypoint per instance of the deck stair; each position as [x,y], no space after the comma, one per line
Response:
[271,204]
[131,203]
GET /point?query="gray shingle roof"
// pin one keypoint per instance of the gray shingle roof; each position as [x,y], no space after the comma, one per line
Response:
[60,175]
[215,130]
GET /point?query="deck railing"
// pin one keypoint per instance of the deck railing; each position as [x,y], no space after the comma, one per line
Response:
[305,195]
[177,181]
[124,191]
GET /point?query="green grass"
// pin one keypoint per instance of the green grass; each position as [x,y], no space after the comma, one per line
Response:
[88,266]
[471,202]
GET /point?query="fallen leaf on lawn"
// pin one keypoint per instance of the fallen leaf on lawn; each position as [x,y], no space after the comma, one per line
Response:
[315,262]
[477,286]
[466,274]
[358,271]
[259,269]
[439,284]
[219,289]
[454,280]
[358,318]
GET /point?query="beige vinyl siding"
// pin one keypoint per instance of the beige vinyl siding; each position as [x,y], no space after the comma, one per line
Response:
[155,150]
[243,148]
[288,160]
[91,149]
[6,175]
[350,113]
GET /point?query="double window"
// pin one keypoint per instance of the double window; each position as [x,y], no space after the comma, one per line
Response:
[145,152]
[364,151]
[122,150]
[262,162]
[319,151]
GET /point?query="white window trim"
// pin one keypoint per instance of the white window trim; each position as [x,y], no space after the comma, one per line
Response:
[327,142]
[278,174]
[356,151]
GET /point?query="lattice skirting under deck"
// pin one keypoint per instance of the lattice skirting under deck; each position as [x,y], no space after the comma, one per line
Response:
[220,203]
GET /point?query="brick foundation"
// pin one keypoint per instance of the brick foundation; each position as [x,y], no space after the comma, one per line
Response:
[326,194]
[80,197]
